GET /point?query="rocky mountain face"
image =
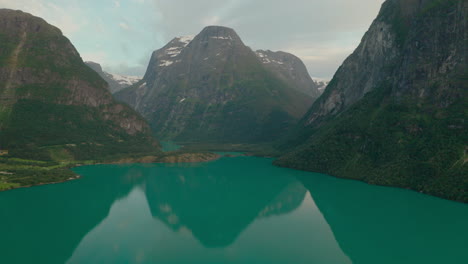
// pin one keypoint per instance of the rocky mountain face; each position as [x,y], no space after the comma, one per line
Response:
[213,88]
[395,111]
[116,82]
[49,97]
[291,70]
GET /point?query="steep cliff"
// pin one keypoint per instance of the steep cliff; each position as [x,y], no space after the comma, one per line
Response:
[49,99]
[213,88]
[395,112]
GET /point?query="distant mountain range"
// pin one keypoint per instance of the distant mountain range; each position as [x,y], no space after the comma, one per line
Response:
[116,82]
[322,84]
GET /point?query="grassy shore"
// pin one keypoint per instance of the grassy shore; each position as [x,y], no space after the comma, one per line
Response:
[19,173]
[16,173]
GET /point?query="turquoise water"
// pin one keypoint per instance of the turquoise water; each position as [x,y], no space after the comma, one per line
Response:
[168,146]
[233,210]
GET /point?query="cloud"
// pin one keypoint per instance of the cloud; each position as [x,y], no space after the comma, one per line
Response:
[96,56]
[321,60]
[126,69]
[70,18]
[124,26]
[327,31]
[322,33]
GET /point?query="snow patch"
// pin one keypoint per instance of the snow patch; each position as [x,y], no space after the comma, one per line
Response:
[265,59]
[175,51]
[322,83]
[125,80]
[260,54]
[222,38]
[186,39]
[165,63]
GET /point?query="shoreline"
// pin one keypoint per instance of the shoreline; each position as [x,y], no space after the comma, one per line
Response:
[169,158]
[43,183]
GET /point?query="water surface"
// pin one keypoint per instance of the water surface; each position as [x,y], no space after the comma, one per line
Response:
[233,210]
[168,146]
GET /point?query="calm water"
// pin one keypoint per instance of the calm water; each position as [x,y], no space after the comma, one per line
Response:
[167,146]
[234,210]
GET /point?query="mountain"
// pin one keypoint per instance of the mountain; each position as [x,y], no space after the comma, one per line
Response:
[395,111]
[213,88]
[116,82]
[291,70]
[321,83]
[52,104]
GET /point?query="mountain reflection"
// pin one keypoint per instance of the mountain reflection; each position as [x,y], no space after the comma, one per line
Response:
[45,224]
[374,224]
[217,204]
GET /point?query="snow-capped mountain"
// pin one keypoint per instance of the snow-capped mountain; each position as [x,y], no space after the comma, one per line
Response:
[321,84]
[213,88]
[116,82]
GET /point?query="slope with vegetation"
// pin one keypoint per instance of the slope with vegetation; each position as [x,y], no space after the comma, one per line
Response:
[53,108]
[395,112]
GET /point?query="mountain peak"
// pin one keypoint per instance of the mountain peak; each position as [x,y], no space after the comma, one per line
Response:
[94,65]
[215,89]
[219,33]
[17,21]
[290,69]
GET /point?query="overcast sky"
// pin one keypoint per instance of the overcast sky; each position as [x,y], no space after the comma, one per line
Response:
[121,34]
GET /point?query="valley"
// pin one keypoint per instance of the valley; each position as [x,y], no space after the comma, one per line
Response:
[246,132]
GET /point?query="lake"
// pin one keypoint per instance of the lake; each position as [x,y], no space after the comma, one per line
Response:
[233,210]
[168,146]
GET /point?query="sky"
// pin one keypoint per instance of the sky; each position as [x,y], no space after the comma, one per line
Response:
[122,34]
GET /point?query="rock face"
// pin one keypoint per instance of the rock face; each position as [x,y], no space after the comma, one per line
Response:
[116,82]
[395,111]
[291,70]
[48,96]
[213,88]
